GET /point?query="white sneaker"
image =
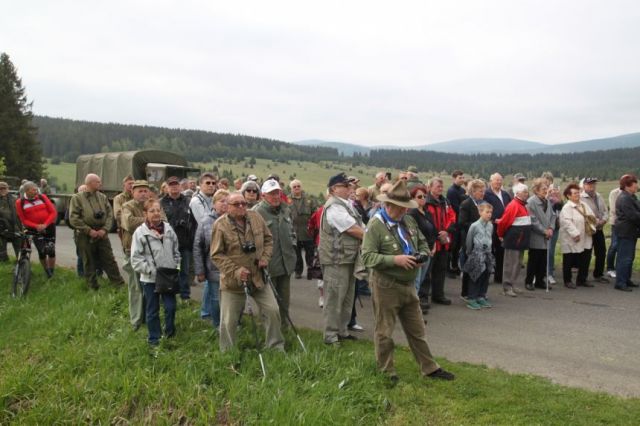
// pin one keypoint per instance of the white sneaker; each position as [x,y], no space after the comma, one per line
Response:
[552,281]
[611,274]
[321,301]
[356,327]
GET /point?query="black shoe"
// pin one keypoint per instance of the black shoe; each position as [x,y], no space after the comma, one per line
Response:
[630,284]
[529,287]
[441,374]
[570,285]
[602,279]
[347,337]
[443,301]
[627,289]
[584,284]
[394,379]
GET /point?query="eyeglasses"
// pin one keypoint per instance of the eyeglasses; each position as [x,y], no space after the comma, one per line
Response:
[209,183]
[238,204]
[419,197]
[296,186]
[255,191]
[343,185]
[404,178]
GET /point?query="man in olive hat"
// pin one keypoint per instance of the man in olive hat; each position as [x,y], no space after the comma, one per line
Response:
[412,177]
[393,249]
[341,232]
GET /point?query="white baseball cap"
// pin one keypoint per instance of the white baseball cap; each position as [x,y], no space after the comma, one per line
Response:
[269,186]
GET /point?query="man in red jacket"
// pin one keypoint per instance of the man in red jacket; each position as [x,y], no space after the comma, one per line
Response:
[444,218]
[38,214]
[514,230]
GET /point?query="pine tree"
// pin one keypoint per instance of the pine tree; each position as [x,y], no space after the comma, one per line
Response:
[19,146]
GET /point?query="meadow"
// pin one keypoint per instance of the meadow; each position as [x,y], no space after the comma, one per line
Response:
[70,356]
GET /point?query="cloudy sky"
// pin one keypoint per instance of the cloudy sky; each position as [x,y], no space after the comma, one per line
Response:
[367,72]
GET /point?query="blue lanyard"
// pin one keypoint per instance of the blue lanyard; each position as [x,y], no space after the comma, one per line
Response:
[406,246]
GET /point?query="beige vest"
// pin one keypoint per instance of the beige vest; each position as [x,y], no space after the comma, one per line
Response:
[337,248]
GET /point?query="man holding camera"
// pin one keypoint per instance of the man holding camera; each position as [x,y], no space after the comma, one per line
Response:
[241,247]
[283,258]
[91,217]
[131,218]
[176,207]
[393,249]
[341,232]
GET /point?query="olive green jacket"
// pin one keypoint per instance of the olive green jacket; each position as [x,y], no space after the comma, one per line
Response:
[118,202]
[380,246]
[301,210]
[278,220]
[82,210]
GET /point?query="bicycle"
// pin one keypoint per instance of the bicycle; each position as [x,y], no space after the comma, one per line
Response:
[22,270]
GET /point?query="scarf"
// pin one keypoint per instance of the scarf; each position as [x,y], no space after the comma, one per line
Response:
[158,228]
[404,239]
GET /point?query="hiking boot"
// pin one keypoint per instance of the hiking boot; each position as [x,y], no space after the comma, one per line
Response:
[517,290]
[509,292]
[441,374]
[529,287]
[602,280]
[484,302]
[472,304]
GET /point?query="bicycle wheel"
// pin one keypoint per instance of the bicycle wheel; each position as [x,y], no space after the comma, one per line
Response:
[21,278]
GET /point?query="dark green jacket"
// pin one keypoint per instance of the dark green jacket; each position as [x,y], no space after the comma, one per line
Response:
[380,246]
[8,217]
[278,220]
[301,210]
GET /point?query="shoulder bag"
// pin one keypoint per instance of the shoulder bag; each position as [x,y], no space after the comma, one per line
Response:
[167,279]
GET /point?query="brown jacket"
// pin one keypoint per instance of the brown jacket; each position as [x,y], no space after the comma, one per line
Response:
[227,254]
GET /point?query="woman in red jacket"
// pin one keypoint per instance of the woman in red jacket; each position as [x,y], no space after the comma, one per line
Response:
[38,214]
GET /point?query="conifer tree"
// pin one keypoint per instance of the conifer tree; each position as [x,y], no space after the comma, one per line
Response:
[18,144]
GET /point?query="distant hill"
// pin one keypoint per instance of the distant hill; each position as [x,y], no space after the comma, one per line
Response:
[347,149]
[492,145]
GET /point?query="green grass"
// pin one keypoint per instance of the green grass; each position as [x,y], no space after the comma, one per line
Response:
[70,356]
[62,175]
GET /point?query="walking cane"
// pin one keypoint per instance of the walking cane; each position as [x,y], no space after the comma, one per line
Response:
[267,278]
[255,330]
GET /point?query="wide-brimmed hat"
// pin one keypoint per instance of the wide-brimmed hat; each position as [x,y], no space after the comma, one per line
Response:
[398,195]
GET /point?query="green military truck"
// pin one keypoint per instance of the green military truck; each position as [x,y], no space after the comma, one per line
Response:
[112,167]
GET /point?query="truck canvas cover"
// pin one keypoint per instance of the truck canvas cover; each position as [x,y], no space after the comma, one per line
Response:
[112,167]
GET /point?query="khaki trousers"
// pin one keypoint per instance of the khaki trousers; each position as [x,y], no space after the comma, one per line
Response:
[94,252]
[391,301]
[136,296]
[339,292]
[511,267]
[263,305]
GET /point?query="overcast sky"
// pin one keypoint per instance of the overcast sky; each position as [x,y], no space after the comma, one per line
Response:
[405,72]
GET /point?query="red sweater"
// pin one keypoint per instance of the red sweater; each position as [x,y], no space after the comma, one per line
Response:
[313,227]
[36,212]
[516,208]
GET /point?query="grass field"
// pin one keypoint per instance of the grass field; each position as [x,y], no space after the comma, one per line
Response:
[70,356]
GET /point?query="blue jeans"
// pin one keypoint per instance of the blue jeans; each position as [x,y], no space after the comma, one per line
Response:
[624,264]
[185,261]
[551,266]
[214,302]
[478,288]
[613,250]
[205,307]
[152,305]
[422,272]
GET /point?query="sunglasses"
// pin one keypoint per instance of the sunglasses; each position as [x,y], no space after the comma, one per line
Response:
[209,183]
[255,191]
[420,197]
[238,204]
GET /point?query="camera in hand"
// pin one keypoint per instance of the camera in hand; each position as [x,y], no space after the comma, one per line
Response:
[420,258]
[249,247]
[98,215]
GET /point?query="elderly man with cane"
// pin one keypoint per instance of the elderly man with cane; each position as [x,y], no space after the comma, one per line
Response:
[241,247]
[393,248]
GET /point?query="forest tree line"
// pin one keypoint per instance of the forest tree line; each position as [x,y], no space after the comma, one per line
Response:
[66,139]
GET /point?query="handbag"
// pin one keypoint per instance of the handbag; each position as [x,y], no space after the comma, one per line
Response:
[167,279]
[589,221]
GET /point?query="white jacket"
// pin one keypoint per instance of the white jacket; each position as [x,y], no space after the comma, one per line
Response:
[571,225]
[165,251]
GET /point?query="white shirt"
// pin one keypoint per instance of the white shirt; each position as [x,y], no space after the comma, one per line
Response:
[339,217]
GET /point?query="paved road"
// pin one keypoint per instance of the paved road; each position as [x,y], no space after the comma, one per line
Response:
[587,338]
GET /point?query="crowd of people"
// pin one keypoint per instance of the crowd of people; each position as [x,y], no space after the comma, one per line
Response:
[396,240]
